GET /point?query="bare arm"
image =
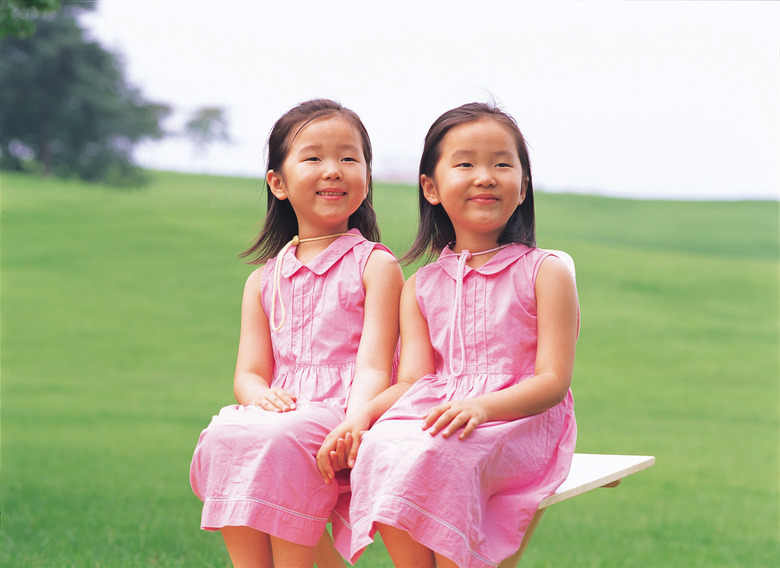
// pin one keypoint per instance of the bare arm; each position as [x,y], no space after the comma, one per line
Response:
[557,316]
[255,362]
[383,281]
[417,360]
[417,355]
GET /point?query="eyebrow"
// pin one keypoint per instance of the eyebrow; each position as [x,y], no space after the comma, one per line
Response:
[501,153]
[348,147]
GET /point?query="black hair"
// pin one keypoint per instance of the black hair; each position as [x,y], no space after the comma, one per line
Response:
[435,230]
[280,223]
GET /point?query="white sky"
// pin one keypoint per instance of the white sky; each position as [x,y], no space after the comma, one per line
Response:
[645,99]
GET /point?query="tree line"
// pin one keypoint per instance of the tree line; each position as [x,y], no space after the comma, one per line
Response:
[66,108]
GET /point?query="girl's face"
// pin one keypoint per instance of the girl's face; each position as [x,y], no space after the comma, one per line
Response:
[325,176]
[478,179]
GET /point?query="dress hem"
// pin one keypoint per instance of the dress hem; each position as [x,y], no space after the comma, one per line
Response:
[263,516]
[426,528]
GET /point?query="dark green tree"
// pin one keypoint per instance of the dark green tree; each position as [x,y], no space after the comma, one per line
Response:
[16,16]
[66,106]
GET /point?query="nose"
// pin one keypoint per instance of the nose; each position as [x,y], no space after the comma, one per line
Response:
[484,178]
[331,170]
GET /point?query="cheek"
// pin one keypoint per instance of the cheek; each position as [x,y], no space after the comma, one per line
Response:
[359,179]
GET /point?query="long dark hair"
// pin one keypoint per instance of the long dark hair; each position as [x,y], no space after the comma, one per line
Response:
[435,230]
[280,223]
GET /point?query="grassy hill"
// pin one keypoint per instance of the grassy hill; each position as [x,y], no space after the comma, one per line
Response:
[120,313]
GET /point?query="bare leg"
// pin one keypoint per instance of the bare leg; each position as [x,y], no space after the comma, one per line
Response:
[442,562]
[403,550]
[292,555]
[247,547]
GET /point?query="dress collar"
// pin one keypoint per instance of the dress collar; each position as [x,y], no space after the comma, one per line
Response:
[324,260]
[448,260]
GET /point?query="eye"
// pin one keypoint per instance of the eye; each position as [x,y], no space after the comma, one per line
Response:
[503,165]
[348,159]
[312,159]
[463,165]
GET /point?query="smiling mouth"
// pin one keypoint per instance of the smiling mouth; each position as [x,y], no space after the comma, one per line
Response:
[332,193]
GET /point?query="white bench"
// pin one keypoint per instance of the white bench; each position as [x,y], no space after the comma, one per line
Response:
[588,472]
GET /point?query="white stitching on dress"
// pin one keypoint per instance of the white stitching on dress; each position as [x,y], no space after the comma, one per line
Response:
[446,524]
[268,504]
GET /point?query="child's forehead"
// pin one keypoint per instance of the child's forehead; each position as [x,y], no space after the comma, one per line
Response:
[474,133]
[322,129]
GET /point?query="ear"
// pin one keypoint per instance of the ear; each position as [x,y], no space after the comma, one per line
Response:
[276,184]
[523,190]
[368,184]
[429,190]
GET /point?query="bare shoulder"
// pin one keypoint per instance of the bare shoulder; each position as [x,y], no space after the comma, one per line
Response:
[380,256]
[409,292]
[555,282]
[382,265]
[255,280]
[555,269]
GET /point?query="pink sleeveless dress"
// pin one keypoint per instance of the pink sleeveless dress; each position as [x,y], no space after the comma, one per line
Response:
[469,500]
[256,468]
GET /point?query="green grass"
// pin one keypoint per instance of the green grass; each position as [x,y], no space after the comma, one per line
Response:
[120,314]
